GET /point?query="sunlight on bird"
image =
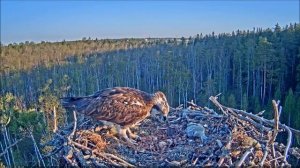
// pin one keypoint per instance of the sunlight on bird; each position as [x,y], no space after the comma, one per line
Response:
[123,107]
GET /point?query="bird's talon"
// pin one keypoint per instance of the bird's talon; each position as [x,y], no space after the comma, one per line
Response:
[138,139]
[132,135]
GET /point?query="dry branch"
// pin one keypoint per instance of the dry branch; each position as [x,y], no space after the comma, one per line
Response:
[233,139]
[289,142]
[54,119]
[269,123]
[261,164]
[72,135]
[276,121]
[257,121]
[243,158]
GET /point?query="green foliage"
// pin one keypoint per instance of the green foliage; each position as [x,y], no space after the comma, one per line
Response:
[249,68]
[48,101]
[277,94]
[9,104]
[21,122]
[269,110]
[31,120]
[257,105]
[231,101]
[20,118]
[296,118]
[244,102]
[26,56]
[258,63]
[289,107]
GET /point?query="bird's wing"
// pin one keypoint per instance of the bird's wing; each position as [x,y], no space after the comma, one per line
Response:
[123,106]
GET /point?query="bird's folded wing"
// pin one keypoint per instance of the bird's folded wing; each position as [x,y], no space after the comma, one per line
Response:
[123,108]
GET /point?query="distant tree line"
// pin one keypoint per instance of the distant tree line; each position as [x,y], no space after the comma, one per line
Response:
[27,55]
[249,68]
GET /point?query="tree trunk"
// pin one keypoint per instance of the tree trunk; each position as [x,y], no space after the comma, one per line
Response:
[54,120]
[39,156]
[265,84]
[6,156]
[8,144]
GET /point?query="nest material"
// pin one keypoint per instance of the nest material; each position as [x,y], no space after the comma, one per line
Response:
[230,141]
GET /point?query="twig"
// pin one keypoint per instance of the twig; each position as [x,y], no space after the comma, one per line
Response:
[214,100]
[245,155]
[74,128]
[93,151]
[192,103]
[252,116]
[261,164]
[70,161]
[275,163]
[255,124]
[259,126]
[218,95]
[275,159]
[206,160]
[220,162]
[105,156]
[195,161]
[276,122]
[261,113]
[7,122]
[289,142]
[177,108]
[275,130]
[124,163]
[54,119]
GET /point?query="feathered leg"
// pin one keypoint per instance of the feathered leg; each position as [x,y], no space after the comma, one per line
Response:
[123,134]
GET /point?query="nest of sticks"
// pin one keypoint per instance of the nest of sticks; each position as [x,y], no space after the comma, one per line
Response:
[233,138]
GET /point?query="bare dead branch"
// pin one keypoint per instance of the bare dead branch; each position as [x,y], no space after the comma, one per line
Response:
[239,131]
[72,135]
[54,119]
[261,164]
[260,113]
[106,156]
[276,121]
[214,100]
[245,155]
[251,118]
[270,123]
[289,142]
[191,103]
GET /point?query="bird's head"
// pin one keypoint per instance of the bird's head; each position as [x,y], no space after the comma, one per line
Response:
[161,104]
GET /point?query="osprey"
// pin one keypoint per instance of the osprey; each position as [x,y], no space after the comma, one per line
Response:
[123,106]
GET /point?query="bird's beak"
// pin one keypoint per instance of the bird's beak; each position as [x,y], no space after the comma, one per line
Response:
[165,118]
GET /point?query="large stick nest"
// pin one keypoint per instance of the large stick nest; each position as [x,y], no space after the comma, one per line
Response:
[227,140]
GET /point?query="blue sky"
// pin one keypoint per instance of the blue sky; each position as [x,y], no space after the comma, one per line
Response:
[71,20]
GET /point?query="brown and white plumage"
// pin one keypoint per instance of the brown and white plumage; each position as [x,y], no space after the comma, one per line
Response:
[122,106]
